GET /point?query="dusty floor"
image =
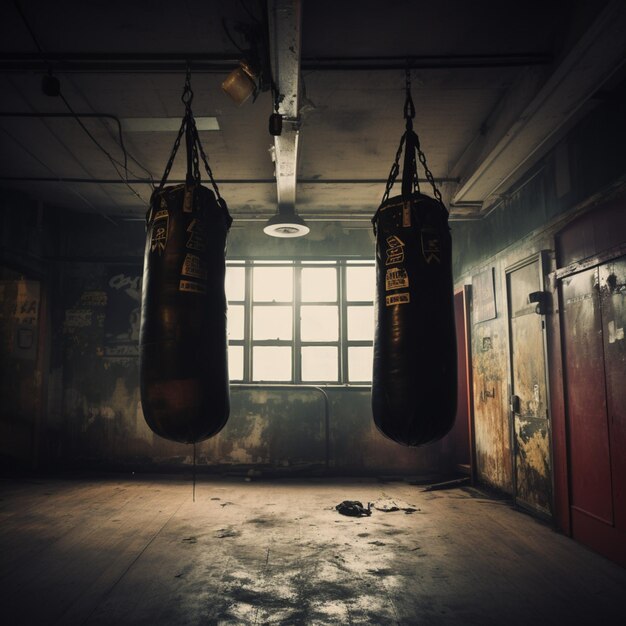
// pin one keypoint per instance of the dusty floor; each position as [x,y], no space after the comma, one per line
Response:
[140,551]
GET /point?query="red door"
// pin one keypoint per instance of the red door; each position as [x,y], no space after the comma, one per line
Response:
[593,317]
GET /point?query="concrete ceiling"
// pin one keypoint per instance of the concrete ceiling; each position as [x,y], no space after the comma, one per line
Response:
[495,84]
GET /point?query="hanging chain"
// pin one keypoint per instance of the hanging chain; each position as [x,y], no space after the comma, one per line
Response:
[409,115]
[395,169]
[190,122]
[205,160]
[429,175]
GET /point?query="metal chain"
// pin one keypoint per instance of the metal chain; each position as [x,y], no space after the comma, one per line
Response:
[170,162]
[409,115]
[395,169]
[429,176]
[205,160]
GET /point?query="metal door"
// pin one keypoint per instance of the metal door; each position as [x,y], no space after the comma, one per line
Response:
[530,423]
[587,421]
[593,323]
[612,277]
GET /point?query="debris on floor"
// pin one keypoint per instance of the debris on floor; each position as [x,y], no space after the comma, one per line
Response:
[354,508]
[387,505]
[448,484]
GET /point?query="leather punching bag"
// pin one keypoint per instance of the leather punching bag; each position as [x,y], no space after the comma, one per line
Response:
[414,384]
[183,347]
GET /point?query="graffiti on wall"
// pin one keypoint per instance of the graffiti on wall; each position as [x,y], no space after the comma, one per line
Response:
[123,313]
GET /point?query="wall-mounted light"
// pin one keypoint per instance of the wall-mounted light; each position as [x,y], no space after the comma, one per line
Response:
[286,223]
[240,84]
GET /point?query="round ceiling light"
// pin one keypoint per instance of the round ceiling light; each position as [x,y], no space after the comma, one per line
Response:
[286,224]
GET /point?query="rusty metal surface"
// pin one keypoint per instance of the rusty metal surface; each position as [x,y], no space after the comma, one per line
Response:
[587,421]
[531,426]
[613,300]
[491,426]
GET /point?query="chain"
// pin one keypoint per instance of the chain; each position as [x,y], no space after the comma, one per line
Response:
[170,162]
[205,160]
[429,176]
[409,115]
[197,151]
[395,169]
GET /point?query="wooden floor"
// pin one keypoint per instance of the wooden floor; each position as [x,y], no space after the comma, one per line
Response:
[140,551]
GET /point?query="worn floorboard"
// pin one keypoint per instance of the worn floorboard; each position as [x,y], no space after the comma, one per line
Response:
[140,551]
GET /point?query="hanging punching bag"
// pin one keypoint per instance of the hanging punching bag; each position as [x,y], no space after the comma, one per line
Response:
[183,351]
[414,383]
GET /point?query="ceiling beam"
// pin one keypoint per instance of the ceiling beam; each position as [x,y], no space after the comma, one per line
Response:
[284,39]
[528,134]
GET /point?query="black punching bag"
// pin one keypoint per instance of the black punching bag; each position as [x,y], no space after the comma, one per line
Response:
[414,382]
[183,347]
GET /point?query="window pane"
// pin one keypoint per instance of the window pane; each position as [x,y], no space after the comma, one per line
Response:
[235,283]
[360,323]
[361,283]
[272,322]
[273,284]
[271,363]
[235,321]
[320,363]
[360,364]
[319,323]
[235,362]
[319,284]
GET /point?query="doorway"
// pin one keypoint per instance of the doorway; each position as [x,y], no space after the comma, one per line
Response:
[593,325]
[529,417]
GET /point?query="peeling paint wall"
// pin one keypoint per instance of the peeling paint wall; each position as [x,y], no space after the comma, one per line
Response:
[101,423]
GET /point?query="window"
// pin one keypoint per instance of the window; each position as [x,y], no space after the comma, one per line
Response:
[300,322]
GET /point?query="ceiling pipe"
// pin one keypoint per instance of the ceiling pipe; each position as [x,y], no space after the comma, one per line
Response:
[121,62]
[284,43]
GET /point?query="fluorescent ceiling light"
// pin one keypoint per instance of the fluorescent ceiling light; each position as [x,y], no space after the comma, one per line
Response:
[164,124]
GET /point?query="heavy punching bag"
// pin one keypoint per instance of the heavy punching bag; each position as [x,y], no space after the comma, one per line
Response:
[414,383]
[182,346]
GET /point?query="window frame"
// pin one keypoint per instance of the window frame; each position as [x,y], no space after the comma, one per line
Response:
[342,344]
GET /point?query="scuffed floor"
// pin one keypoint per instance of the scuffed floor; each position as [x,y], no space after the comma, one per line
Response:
[140,551]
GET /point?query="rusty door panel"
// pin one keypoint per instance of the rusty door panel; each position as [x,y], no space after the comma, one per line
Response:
[531,426]
[613,298]
[587,422]
[532,440]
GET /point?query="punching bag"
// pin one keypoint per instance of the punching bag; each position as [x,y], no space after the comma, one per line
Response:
[414,384]
[183,362]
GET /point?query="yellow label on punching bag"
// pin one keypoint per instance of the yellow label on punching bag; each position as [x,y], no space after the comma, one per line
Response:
[395,250]
[396,278]
[398,298]
[158,238]
[191,287]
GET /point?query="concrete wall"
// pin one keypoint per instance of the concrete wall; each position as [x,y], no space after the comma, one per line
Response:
[93,414]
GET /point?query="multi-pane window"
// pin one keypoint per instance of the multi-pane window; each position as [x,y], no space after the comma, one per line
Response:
[300,322]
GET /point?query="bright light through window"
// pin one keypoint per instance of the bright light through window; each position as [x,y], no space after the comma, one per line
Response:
[301,321]
[360,364]
[361,283]
[236,313]
[319,323]
[271,322]
[361,323]
[319,284]
[319,363]
[271,363]
[235,362]
[273,284]
[235,283]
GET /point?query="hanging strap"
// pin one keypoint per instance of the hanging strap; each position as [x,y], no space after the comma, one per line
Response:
[411,144]
[194,151]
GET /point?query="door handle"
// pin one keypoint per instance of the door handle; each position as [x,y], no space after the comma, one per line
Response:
[515,404]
